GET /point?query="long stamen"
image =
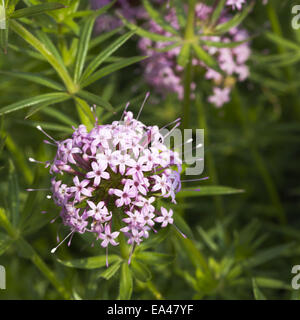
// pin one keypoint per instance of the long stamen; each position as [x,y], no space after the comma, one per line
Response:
[46,134]
[69,243]
[93,109]
[199,159]
[126,107]
[192,180]
[46,163]
[42,189]
[184,236]
[131,253]
[142,106]
[54,249]
[107,257]
[165,126]
[176,125]
[50,143]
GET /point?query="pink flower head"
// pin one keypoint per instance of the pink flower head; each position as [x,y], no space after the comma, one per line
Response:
[100,178]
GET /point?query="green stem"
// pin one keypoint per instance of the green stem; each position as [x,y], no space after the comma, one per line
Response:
[288,71]
[212,171]
[189,35]
[259,161]
[28,251]
[39,46]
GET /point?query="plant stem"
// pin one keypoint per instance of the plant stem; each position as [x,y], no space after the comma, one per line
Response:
[212,171]
[259,161]
[189,34]
[288,71]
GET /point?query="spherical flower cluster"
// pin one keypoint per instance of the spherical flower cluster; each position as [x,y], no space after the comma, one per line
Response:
[108,180]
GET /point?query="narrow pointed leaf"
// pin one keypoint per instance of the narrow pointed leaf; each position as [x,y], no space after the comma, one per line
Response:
[111,270]
[36,78]
[154,258]
[156,16]
[258,295]
[184,55]
[110,69]
[106,53]
[206,58]
[217,44]
[181,16]
[140,271]
[235,21]
[38,9]
[46,99]
[207,191]
[46,53]
[84,112]
[5,243]
[147,34]
[95,99]
[126,282]
[83,46]
[217,11]
[102,37]
[89,263]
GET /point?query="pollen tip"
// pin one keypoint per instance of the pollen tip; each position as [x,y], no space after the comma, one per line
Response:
[53,250]
[39,128]
[31,159]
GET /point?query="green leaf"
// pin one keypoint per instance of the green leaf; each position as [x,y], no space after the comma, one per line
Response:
[180,14]
[258,295]
[46,53]
[154,258]
[58,115]
[217,11]
[102,37]
[153,241]
[196,257]
[5,243]
[13,195]
[147,34]
[90,262]
[4,29]
[110,69]
[207,239]
[156,16]
[184,55]
[217,44]
[272,283]
[83,47]
[36,78]
[235,21]
[46,99]
[182,226]
[126,282]
[105,54]
[85,113]
[111,270]
[95,99]
[207,191]
[266,255]
[282,41]
[206,58]
[38,9]
[140,271]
